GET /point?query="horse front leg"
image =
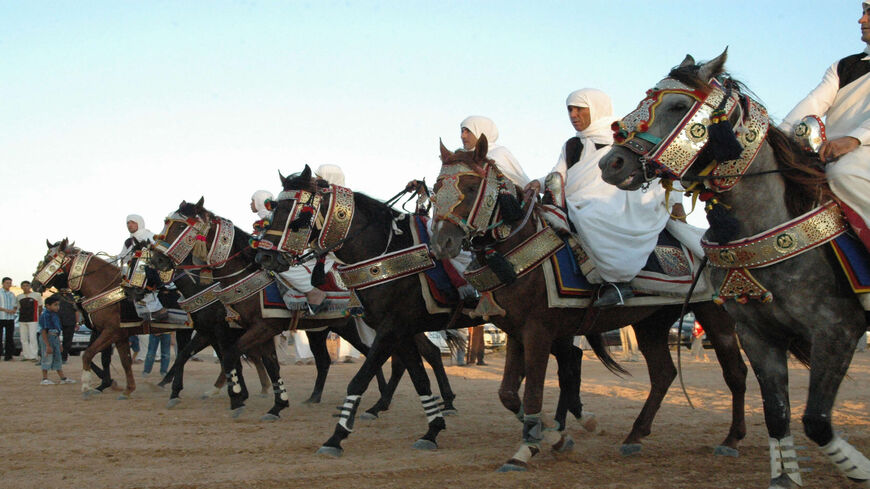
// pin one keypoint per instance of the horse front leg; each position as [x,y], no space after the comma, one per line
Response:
[569,358]
[833,347]
[397,371]
[282,399]
[432,354]
[176,372]
[105,338]
[720,330]
[512,377]
[123,346]
[410,355]
[769,361]
[322,360]
[378,354]
[536,346]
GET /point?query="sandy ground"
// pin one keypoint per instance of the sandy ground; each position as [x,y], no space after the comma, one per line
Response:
[51,438]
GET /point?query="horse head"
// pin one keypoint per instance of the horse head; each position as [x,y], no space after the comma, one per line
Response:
[466,199]
[50,270]
[181,231]
[661,118]
[291,220]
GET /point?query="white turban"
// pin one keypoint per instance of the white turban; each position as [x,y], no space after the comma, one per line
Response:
[600,114]
[141,233]
[259,198]
[478,125]
[331,173]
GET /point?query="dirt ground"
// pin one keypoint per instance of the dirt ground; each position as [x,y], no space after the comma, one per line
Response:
[51,438]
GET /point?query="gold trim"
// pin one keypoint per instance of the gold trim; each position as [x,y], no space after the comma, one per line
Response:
[801,234]
[245,287]
[524,258]
[222,242]
[51,268]
[77,270]
[386,268]
[338,217]
[292,242]
[200,300]
[740,285]
[103,300]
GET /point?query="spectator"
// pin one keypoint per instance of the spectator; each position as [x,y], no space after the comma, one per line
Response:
[475,345]
[629,344]
[8,308]
[29,310]
[164,341]
[303,351]
[50,329]
[69,320]
[697,352]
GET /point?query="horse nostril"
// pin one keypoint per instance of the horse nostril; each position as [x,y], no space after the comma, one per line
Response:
[617,163]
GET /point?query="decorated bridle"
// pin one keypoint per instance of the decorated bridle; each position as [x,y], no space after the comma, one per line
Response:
[670,157]
[307,215]
[195,236]
[485,215]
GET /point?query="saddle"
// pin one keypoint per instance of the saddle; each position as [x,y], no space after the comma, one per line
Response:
[281,300]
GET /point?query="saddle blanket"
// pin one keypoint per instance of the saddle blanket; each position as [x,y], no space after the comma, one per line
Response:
[665,279]
[438,291]
[280,299]
[133,314]
[855,260]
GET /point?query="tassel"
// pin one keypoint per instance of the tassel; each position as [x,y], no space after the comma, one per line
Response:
[206,276]
[723,141]
[200,252]
[511,210]
[723,226]
[318,275]
[304,219]
[501,267]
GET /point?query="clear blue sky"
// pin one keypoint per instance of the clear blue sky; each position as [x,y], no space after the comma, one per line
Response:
[112,108]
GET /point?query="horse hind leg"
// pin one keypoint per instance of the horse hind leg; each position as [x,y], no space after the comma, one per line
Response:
[432,354]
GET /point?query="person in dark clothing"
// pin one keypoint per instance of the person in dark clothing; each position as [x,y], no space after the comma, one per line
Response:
[68,320]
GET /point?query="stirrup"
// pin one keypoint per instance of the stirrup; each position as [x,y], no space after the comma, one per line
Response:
[614,294]
[315,310]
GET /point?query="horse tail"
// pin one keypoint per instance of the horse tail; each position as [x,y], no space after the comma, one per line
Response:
[596,341]
[801,351]
[455,341]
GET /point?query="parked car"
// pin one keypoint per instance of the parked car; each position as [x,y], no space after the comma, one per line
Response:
[493,338]
[81,340]
[684,333]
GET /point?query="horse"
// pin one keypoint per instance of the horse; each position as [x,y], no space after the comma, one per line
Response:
[765,187]
[468,178]
[396,309]
[208,322]
[98,283]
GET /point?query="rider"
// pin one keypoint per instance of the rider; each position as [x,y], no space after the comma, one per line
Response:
[258,203]
[299,277]
[138,231]
[618,229]
[843,97]
[471,129]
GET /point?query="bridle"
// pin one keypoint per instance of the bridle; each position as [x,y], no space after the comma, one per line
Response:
[195,229]
[57,263]
[671,156]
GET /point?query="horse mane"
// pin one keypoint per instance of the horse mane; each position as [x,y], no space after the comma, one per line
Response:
[374,208]
[805,181]
[297,182]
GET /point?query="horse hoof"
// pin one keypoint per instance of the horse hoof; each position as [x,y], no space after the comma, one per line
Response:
[368,416]
[269,417]
[449,412]
[90,393]
[311,400]
[725,451]
[210,393]
[511,467]
[123,397]
[175,401]
[264,394]
[566,445]
[630,449]
[330,451]
[235,413]
[423,444]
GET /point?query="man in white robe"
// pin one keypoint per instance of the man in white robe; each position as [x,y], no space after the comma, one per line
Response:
[843,98]
[472,128]
[618,229]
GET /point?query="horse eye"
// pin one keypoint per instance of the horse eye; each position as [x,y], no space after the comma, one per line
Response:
[678,107]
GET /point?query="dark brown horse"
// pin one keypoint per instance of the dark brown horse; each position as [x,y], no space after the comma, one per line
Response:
[397,311]
[813,312]
[534,325]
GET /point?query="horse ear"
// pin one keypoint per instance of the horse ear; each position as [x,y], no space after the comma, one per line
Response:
[713,67]
[445,153]
[306,173]
[47,243]
[199,204]
[481,148]
[283,179]
[687,62]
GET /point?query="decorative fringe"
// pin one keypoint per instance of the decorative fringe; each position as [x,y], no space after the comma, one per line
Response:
[723,226]
[206,276]
[318,275]
[501,267]
[511,210]
[200,252]
[304,219]
[723,141]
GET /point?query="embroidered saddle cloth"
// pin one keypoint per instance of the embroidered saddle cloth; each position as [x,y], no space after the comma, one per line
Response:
[280,299]
[855,260]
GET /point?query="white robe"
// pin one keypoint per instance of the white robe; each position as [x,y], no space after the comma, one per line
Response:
[847,113]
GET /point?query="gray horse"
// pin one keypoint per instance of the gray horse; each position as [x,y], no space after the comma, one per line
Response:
[814,313]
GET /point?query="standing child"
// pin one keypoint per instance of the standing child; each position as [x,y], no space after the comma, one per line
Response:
[50,329]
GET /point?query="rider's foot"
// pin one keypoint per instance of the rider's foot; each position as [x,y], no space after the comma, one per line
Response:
[613,294]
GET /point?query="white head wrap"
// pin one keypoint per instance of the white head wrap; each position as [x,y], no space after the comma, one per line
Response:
[141,233]
[600,114]
[331,173]
[259,198]
[478,125]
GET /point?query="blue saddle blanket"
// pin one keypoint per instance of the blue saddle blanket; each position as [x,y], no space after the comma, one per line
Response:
[855,260]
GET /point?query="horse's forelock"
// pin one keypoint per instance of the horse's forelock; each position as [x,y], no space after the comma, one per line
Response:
[467,158]
[298,182]
[689,76]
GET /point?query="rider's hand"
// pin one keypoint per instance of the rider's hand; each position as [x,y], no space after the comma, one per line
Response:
[831,150]
[412,185]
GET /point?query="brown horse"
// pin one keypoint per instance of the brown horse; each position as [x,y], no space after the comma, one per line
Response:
[98,283]
[529,319]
